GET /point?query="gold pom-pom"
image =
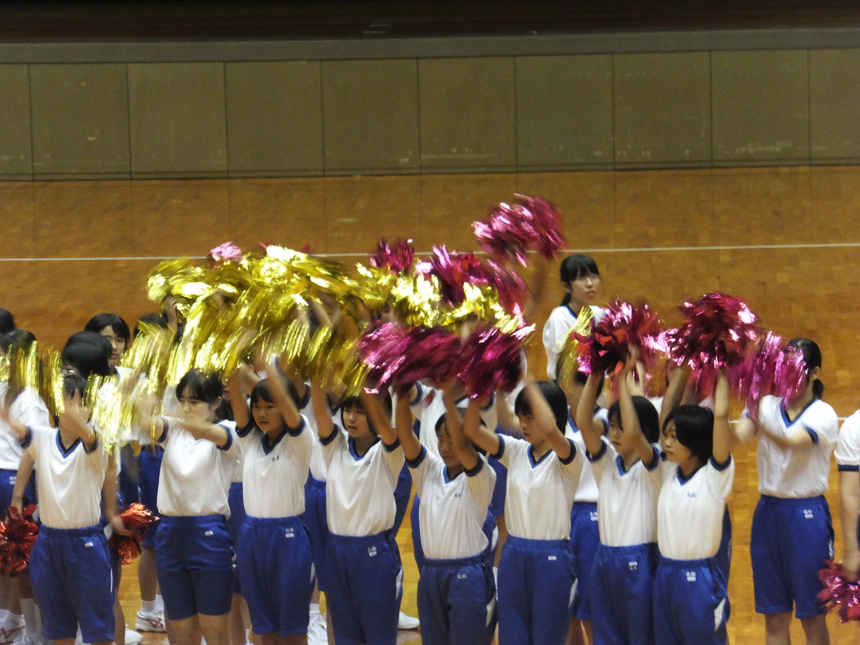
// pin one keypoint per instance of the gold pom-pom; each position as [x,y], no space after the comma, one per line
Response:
[570,357]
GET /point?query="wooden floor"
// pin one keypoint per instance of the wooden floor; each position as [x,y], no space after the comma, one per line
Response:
[785,239]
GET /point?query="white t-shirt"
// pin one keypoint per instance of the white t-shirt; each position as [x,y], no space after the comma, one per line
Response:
[69,478]
[360,489]
[317,463]
[540,494]
[627,508]
[587,490]
[429,405]
[555,332]
[195,473]
[27,409]
[452,511]
[847,452]
[274,475]
[795,472]
[690,512]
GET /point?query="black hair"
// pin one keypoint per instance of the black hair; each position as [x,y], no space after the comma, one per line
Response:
[91,337]
[19,338]
[579,377]
[153,320]
[101,321]
[207,388]
[355,402]
[74,384]
[812,359]
[88,358]
[553,394]
[261,391]
[649,420]
[7,322]
[694,429]
[574,267]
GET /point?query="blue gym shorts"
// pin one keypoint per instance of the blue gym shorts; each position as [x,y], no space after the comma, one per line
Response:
[691,604]
[7,485]
[194,562]
[147,486]
[584,538]
[316,522]
[73,583]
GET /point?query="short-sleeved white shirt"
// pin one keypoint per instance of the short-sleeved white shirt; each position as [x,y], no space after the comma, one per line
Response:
[587,490]
[627,507]
[690,512]
[561,320]
[795,472]
[317,463]
[69,478]
[360,489]
[195,473]
[429,405]
[273,482]
[453,511]
[847,452]
[540,493]
[27,409]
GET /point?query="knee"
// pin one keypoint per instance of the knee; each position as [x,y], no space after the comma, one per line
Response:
[776,624]
[814,628]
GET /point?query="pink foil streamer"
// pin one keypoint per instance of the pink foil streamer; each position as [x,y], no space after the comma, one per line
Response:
[453,270]
[839,592]
[397,259]
[772,368]
[511,230]
[491,359]
[226,252]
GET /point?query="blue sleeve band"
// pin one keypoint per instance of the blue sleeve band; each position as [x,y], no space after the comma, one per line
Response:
[163,436]
[655,459]
[27,440]
[392,447]
[812,433]
[229,443]
[501,450]
[418,393]
[295,432]
[848,468]
[244,432]
[474,471]
[600,453]
[331,437]
[414,463]
[572,456]
[90,451]
[305,399]
[721,466]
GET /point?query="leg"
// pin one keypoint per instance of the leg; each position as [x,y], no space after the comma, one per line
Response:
[146,574]
[237,621]
[216,629]
[776,628]
[187,631]
[815,629]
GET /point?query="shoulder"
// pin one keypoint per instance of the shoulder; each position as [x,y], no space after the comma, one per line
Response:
[770,409]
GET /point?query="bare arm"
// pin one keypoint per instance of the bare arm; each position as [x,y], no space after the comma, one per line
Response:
[629,418]
[325,426]
[722,433]
[25,469]
[592,431]
[219,435]
[283,401]
[408,441]
[463,448]
[486,440]
[674,391]
[241,414]
[109,488]
[797,438]
[378,417]
[545,420]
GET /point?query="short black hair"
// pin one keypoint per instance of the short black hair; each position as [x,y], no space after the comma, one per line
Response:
[649,420]
[576,266]
[74,384]
[355,402]
[7,322]
[553,394]
[88,358]
[261,391]
[812,359]
[100,322]
[694,428]
[205,387]
[20,338]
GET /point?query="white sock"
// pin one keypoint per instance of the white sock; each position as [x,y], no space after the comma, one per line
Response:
[147,606]
[159,603]
[4,614]
[32,620]
[315,608]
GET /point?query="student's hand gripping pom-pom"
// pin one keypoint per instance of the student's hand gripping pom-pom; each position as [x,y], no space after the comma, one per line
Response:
[17,537]
[511,230]
[135,521]
[397,259]
[491,359]
[380,348]
[839,592]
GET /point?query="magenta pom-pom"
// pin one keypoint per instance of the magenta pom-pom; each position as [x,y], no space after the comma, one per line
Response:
[397,258]
[226,252]
[428,353]
[380,348]
[510,286]
[839,592]
[511,230]
[772,368]
[491,359]
[453,270]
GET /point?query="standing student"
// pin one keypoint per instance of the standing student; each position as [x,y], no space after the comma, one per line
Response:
[581,280]
[70,564]
[536,571]
[194,550]
[626,468]
[792,535]
[456,590]
[691,603]
[847,457]
[363,573]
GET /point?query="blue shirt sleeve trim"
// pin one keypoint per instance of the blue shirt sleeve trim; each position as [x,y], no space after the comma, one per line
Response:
[474,471]
[812,433]
[163,436]
[501,450]
[331,437]
[848,468]
[295,432]
[572,456]
[392,447]
[244,432]
[721,466]
[229,443]
[414,463]
[90,451]
[27,440]
[600,453]
[419,392]
[655,459]
[305,399]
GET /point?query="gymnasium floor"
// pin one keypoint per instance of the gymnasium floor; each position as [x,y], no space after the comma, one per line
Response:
[785,239]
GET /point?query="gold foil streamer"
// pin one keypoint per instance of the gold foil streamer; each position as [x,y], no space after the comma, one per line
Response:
[582,326]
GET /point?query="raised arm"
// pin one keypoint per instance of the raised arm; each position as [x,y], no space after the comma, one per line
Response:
[74,418]
[629,418]
[283,401]
[592,431]
[377,416]
[403,424]
[722,432]
[241,414]
[674,392]
[545,421]
[217,434]
[485,439]
[325,426]
[463,448]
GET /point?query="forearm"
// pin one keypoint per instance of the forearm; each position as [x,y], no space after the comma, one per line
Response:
[403,424]
[325,426]
[849,495]
[463,448]
[217,434]
[284,402]
[585,414]
[25,470]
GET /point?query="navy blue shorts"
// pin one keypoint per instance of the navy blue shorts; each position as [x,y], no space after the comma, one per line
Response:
[364,587]
[194,562]
[457,601]
[7,485]
[273,557]
[622,580]
[536,588]
[147,486]
[315,520]
[584,539]
[691,603]
[73,583]
[789,543]
[724,555]
[236,501]
[128,481]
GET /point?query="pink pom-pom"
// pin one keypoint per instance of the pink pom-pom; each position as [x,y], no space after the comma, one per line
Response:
[453,270]
[380,348]
[772,368]
[510,286]
[226,252]
[397,259]
[511,230]
[491,359]
[839,592]
[428,353]
[718,331]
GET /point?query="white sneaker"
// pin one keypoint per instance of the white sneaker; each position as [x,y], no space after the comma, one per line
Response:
[11,626]
[153,622]
[317,630]
[132,637]
[31,639]
[407,622]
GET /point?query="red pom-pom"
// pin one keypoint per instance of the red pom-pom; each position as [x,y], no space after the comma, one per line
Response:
[136,518]
[428,353]
[772,368]
[511,230]
[397,259]
[453,270]
[17,537]
[491,359]
[839,592]
[510,286]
